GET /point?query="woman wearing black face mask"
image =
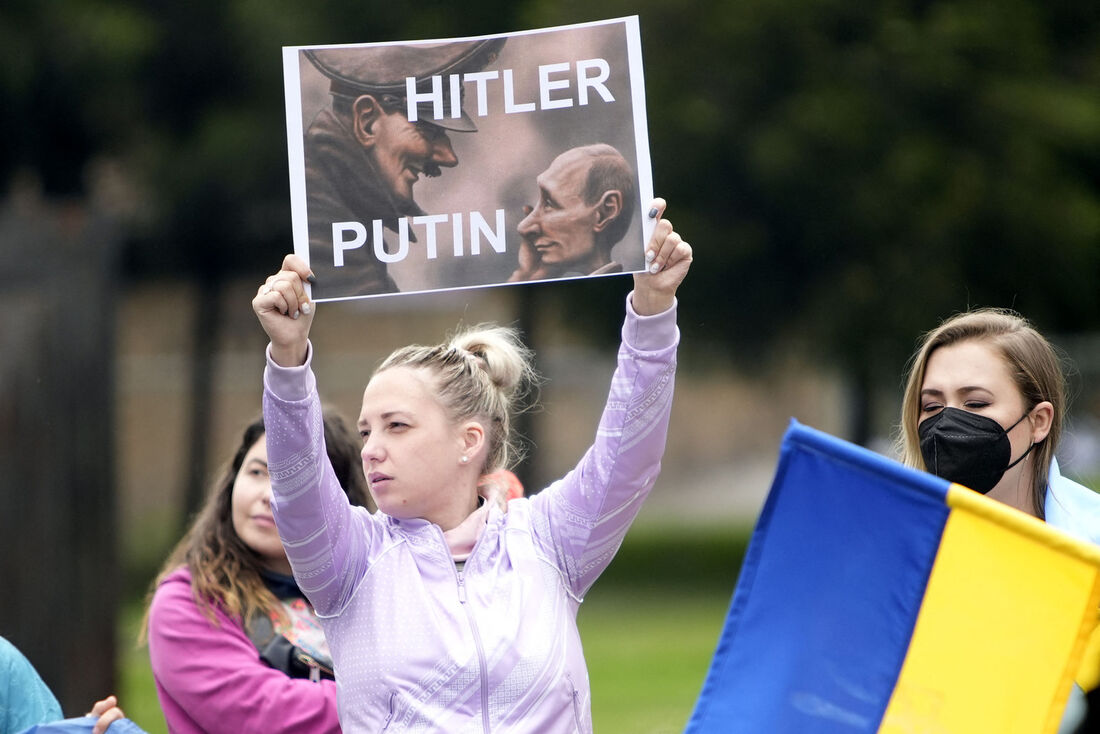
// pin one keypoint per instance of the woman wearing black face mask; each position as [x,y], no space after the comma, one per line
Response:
[983,407]
[984,404]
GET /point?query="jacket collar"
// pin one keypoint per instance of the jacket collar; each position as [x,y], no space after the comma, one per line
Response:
[461,539]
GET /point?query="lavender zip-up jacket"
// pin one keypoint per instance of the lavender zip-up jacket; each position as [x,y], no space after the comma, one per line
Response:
[421,646]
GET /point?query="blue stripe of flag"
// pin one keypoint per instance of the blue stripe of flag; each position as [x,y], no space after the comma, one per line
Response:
[828,594]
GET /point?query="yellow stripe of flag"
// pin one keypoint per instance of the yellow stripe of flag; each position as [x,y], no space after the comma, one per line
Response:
[991,651]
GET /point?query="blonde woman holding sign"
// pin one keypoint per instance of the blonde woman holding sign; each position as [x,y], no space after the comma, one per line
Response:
[445,614]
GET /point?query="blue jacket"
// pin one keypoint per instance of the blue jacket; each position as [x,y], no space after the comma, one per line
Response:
[84,725]
[1072,507]
[25,700]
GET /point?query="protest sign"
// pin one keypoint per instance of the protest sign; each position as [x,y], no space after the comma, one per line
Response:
[433,165]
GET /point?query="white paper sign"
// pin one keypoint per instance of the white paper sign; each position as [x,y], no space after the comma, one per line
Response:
[457,163]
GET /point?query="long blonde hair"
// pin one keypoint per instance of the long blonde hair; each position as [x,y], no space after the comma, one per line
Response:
[1032,363]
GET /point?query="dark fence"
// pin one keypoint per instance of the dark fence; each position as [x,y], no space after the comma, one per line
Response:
[58,565]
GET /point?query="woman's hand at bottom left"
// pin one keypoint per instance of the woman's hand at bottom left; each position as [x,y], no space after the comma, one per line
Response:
[107,712]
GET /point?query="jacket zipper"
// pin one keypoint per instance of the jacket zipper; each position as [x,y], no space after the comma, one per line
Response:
[389,717]
[480,652]
[576,703]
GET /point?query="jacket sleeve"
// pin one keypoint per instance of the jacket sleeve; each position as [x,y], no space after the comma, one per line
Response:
[209,675]
[325,538]
[25,700]
[582,518]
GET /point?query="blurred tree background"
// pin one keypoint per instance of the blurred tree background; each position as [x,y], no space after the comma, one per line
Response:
[850,173]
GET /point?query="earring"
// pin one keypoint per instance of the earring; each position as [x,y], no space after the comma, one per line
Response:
[465,459]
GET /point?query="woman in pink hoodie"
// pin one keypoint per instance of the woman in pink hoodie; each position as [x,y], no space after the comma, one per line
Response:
[234,644]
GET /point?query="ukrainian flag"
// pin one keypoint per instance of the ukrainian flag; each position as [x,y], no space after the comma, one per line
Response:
[876,598]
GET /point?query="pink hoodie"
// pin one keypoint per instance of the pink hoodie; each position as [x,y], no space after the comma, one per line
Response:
[210,677]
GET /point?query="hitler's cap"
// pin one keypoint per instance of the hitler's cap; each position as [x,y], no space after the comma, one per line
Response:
[382,70]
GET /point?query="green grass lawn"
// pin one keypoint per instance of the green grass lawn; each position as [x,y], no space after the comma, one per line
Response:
[647,656]
[136,691]
[649,629]
[651,623]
